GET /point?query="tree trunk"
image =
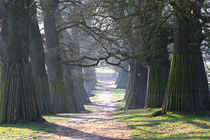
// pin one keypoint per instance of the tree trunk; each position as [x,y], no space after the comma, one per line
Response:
[128,87]
[73,105]
[17,96]
[136,98]
[187,89]
[81,94]
[122,79]
[158,77]
[38,66]
[53,59]
[89,79]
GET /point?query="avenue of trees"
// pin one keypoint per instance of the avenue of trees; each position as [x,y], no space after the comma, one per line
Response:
[49,49]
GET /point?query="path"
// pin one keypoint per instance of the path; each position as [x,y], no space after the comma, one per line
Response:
[98,125]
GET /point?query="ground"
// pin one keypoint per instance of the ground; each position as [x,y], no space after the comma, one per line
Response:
[97,125]
[99,122]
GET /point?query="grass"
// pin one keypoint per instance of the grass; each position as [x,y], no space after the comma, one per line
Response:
[118,97]
[30,130]
[169,126]
[89,108]
[24,131]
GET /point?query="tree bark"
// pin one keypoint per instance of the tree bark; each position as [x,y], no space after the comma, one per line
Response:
[37,58]
[53,59]
[17,96]
[122,79]
[187,89]
[158,77]
[80,92]
[73,105]
[89,79]
[136,98]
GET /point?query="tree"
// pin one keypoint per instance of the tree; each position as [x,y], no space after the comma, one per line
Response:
[17,92]
[37,57]
[53,58]
[122,78]
[157,34]
[187,89]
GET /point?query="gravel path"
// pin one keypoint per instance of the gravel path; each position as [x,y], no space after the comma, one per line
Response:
[98,125]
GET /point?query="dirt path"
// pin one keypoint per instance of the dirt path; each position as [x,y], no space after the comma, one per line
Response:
[98,125]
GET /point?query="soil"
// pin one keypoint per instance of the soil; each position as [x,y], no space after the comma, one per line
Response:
[98,125]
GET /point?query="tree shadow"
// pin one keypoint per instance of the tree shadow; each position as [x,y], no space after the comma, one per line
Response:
[59,130]
[74,133]
[80,117]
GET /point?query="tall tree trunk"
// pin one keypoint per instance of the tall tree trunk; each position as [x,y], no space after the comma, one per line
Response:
[17,96]
[136,98]
[187,89]
[73,105]
[89,79]
[158,77]
[53,59]
[129,84]
[38,66]
[80,92]
[122,79]
[158,60]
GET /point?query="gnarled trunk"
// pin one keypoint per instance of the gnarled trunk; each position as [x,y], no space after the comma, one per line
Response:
[158,77]
[53,58]
[89,79]
[136,98]
[122,79]
[80,92]
[187,89]
[17,91]
[37,57]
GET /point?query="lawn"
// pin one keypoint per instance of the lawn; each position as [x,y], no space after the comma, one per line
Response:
[117,97]
[24,131]
[30,130]
[169,126]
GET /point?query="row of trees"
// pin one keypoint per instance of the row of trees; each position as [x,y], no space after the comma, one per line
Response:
[28,89]
[151,28]
[144,34]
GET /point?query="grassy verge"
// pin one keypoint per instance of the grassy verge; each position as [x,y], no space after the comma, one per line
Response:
[30,130]
[117,97]
[169,126]
[24,131]
[89,108]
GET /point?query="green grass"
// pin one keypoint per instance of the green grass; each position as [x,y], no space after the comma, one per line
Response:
[117,97]
[30,130]
[24,131]
[89,108]
[169,126]
[56,118]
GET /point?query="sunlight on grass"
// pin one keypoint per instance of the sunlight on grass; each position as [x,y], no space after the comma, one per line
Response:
[117,97]
[89,108]
[56,118]
[169,126]
[24,131]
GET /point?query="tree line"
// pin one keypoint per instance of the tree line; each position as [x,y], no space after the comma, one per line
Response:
[161,43]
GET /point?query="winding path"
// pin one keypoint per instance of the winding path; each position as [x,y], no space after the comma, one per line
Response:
[98,125]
